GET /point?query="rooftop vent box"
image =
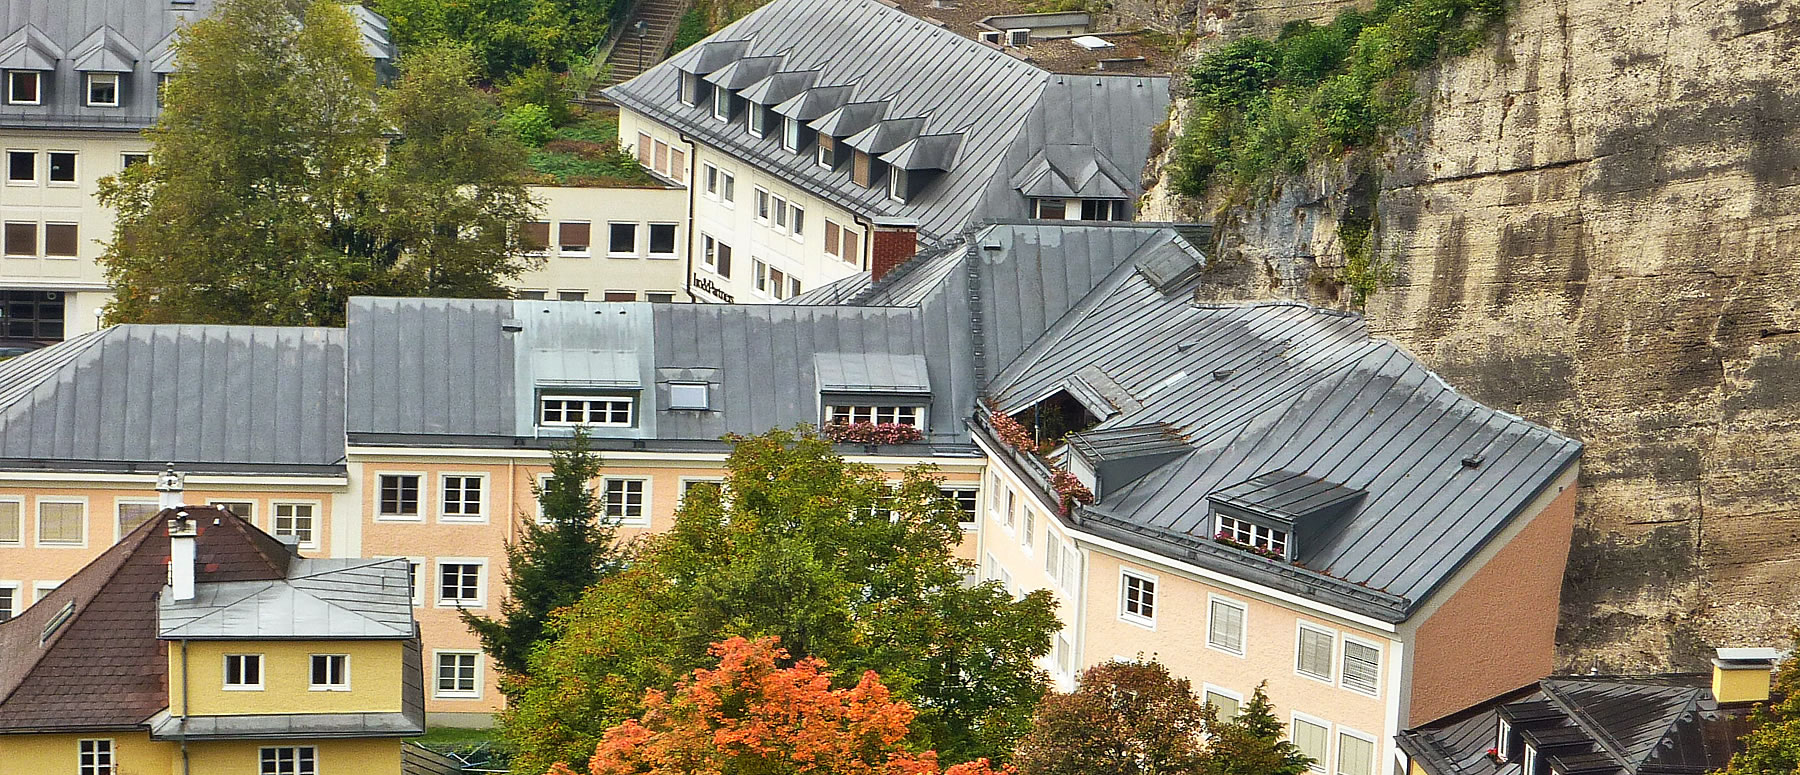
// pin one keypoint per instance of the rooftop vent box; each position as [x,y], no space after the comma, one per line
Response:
[1091,43]
[991,36]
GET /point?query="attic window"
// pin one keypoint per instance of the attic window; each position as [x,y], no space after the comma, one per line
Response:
[1255,536]
[690,90]
[688,395]
[722,104]
[790,135]
[880,415]
[22,87]
[1055,417]
[56,622]
[827,154]
[897,185]
[608,411]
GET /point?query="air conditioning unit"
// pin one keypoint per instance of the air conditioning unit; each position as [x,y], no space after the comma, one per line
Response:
[1018,37]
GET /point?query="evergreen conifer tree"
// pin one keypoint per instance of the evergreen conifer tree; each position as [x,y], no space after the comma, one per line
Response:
[1251,743]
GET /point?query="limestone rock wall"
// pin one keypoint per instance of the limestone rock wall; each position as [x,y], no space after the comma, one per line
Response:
[1596,225]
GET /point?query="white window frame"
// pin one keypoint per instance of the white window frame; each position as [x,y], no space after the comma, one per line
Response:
[630,401]
[709,180]
[74,171]
[118,503]
[1528,759]
[790,134]
[42,589]
[437,692]
[487,492]
[110,765]
[36,177]
[688,389]
[481,582]
[650,241]
[753,119]
[255,506]
[424,498]
[1243,608]
[1147,622]
[328,687]
[318,518]
[610,253]
[537,506]
[796,222]
[125,158]
[587,252]
[1343,656]
[896,185]
[643,518]
[90,80]
[262,672]
[417,567]
[17,590]
[721,104]
[19,500]
[1374,749]
[762,204]
[974,516]
[1296,718]
[38,75]
[1237,697]
[684,482]
[1331,659]
[728,189]
[295,752]
[1028,531]
[876,413]
[37,511]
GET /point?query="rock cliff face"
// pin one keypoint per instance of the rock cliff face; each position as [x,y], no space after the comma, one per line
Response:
[1595,225]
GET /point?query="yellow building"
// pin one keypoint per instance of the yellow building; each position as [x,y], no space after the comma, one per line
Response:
[199,644]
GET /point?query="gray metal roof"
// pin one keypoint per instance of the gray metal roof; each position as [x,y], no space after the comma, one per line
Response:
[130,37]
[208,398]
[319,599]
[868,372]
[963,107]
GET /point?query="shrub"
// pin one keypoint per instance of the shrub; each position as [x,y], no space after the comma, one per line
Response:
[538,85]
[530,123]
[1237,72]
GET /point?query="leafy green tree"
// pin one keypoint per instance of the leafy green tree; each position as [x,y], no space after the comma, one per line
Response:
[558,557]
[824,555]
[1773,745]
[1252,743]
[269,202]
[507,36]
[1124,718]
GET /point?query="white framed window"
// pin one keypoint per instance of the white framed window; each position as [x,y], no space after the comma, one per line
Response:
[543,484]
[1018,37]
[727,189]
[1313,646]
[62,522]
[709,179]
[461,582]
[1063,655]
[102,90]
[1029,534]
[298,519]
[1227,701]
[761,200]
[536,238]
[24,87]
[1137,597]
[41,590]
[880,414]
[129,160]
[329,673]
[96,757]
[994,488]
[1529,761]
[897,185]
[245,510]
[1071,568]
[12,520]
[413,578]
[574,239]
[626,500]
[1011,516]
[1313,737]
[12,601]
[790,134]
[715,255]
[1356,753]
[571,295]
[967,499]
[662,240]
[458,674]
[991,36]
[398,496]
[1225,624]
[1362,666]
[690,395]
[1250,534]
[464,497]
[721,103]
[825,154]
[61,167]
[691,483]
[132,512]
[759,272]
[753,119]
[289,760]
[690,90]
[606,411]
[243,672]
[21,168]
[796,221]
[621,240]
[779,213]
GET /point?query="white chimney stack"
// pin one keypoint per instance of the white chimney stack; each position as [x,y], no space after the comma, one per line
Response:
[168,488]
[182,554]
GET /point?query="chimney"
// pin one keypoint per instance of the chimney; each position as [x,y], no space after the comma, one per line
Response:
[1743,675]
[893,243]
[182,554]
[168,488]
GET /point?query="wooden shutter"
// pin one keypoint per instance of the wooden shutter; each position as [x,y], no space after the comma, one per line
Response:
[537,235]
[643,149]
[831,239]
[850,253]
[677,165]
[860,168]
[60,239]
[574,236]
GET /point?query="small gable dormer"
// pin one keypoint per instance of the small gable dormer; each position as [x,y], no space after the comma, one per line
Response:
[1276,513]
[876,388]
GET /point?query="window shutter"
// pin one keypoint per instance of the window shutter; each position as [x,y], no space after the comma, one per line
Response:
[678,165]
[1226,629]
[21,239]
[860,169]
[1356,756]
[1362,666]
[575,235]
[832,245]
[1315,653]
[1312,740]
[60,239]
[537,235]
[850,253]
[643,153]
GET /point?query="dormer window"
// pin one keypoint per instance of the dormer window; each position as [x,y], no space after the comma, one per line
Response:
[722,104]
[103,90]
[897,185]
[612,411]
[24,87]
[880,415]
[1102,210]
[754,119]
[1256,536]
[790,135]
[690,90]
[827,151]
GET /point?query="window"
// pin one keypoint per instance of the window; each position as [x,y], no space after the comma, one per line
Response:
[1102,210]
[243,672]
[21,166]
[754,117]
[1049,209]
[133,513]
[22,87]
[399,496]
[463,497]
[1012,509]
[244,509]
[621,239]
[722,104]
[643,149]
[709,176]
[716,255]
[790,135]
[903,415]
[459,584]
[12,527]
[330,673]
[1064,655]
[1137,601]
[625,500]
[727,187]
[610,411]
[295,519]
[412,581]
[1312,654]
[850,255]
[991,36]
[62,166]
[659,297]
[1362,667]
[458,674]
[796,221]
[677,164]
[62,615]
[61,523]
[793,286]
[1225,626]
[103,90]
[965,499]
[1226,702]
[826,154]
[781,214]
[1030,532]
[533,295]
[60,240]
[1313,738]
[690,90]
[536,237]
[1071,567]
[573,238]
[1356,755]
[133,159]
[9,601]
[96,757]
[762,204]
[42,589]
[897,185]
[619,296]
[571,295]
[691,486]
[290,760]
[1255,535]
[661,160]
[862,169]
[688,395]
[662,240]
[1529,761]
[21,239]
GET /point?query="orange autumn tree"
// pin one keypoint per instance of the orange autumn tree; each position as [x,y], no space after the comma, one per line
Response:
[750,716]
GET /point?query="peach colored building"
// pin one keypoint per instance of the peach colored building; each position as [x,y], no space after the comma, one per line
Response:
[1280,498]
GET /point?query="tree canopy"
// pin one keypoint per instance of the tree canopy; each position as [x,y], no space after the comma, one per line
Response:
[507,36]
[272,197]
[822,554]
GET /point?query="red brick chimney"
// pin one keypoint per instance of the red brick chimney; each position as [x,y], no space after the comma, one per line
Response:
[893,243]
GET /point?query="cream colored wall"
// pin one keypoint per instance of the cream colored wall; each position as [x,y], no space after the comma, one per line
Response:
[133,751]
[334,757]
[1026,565]
[375,673]
[597,271]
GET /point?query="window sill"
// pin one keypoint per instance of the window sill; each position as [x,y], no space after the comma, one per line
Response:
[469,604]
[22,183]
[54,545]
[625,256]
[64,258]
[455,696]
[1148,624]
[464,520]
[399,518]
[1226,651]
[1376,694]
[574,254]
[663,256]
[328,688]
[256,688]
[1324,680]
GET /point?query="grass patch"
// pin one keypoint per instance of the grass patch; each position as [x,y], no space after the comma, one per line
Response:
[447,738]
[587,153]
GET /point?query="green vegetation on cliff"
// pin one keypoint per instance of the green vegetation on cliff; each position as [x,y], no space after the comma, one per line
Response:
[1263,108]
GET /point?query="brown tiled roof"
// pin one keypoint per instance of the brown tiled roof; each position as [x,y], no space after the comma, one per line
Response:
[105,668]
